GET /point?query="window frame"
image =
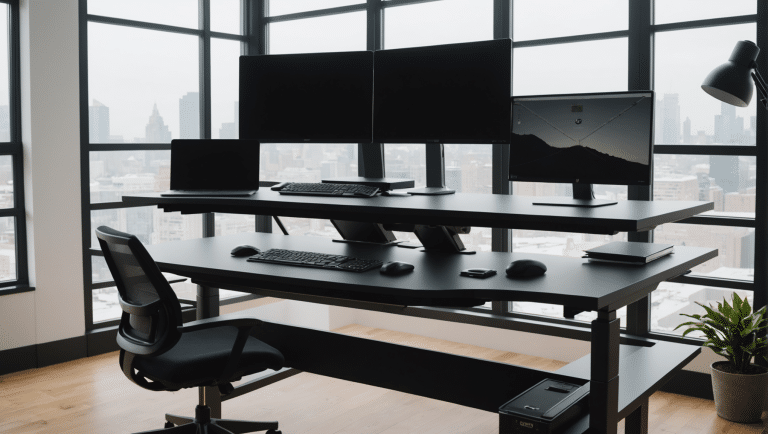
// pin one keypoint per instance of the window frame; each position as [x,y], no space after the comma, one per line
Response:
[14,149]
[640,36]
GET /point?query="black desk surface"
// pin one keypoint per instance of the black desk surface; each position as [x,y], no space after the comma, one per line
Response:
[435,280]
[461,209]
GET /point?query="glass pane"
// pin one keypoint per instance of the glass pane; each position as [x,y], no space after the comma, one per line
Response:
[5,113]
[670,11]
[443,22]
[283,7]
[6,181]
[406,161]
[579,67]
[735,247]
[537,19]
[672,299]
[345,32]
[307,227]
[99,270]
[7,249]
[150,224]
[157,99]
[468,168]
[115,173]
[686,114]
[728,181]
[172,12]
[227,224]
[225,16]
[225,79]
[556,311]
[307,162]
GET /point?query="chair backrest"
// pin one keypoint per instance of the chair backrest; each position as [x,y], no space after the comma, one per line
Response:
[151,311]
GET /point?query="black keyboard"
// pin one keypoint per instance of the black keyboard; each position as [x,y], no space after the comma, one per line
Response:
[323,189]
[315,260]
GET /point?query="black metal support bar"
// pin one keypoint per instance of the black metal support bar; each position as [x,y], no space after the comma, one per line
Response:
[370,156]
[604,374]
[735,150]
[712,22]
[761,206]
[736,222]
[85,188]
[260,382]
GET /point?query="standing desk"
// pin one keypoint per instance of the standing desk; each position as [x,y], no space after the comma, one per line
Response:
[645,365]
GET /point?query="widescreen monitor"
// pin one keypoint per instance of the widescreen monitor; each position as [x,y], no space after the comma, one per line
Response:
[307,98]
[456,93]
[600,138]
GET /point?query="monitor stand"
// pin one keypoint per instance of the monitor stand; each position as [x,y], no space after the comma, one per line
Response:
[435,238]
[366,233]
[435,173]
[583,197]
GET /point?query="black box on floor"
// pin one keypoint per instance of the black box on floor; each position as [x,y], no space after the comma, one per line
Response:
[383,184]
[549,407]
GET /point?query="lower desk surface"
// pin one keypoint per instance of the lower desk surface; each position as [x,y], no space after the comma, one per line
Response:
[435,281]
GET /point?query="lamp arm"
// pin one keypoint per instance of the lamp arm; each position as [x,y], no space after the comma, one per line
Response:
[761,87]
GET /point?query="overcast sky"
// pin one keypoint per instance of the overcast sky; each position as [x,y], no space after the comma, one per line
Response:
[132,69]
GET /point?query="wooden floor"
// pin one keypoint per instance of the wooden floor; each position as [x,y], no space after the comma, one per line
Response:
[92,396]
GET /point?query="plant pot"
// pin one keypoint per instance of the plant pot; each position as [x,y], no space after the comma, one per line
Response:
[739,397]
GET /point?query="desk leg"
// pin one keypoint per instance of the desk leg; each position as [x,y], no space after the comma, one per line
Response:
[604,374]
[637,421]
[638,319]
[207,307]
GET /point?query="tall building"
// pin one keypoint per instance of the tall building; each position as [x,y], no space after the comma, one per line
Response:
[156,130]
[228,131]
[671,120]
[730,172]
[687,131]
[189,116]
[98,120]
[725,124]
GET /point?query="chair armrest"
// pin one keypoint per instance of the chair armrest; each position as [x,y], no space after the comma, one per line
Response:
[233,322]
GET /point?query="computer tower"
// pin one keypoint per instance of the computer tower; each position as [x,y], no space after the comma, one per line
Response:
[549,407]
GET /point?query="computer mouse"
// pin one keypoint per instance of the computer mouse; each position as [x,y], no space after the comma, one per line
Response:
[395,268]
[526,268]
[241,251]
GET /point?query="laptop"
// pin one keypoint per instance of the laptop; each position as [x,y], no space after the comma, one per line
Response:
[215,168]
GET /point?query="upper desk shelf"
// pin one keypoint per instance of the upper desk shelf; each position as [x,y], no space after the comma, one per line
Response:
[461,209]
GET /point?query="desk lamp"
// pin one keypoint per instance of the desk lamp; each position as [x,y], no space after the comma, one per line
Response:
[730,83]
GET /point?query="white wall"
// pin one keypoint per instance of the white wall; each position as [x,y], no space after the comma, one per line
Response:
[50,102]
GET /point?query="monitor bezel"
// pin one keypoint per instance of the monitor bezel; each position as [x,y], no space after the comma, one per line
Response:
[350,139]
[377,138]
[603,181]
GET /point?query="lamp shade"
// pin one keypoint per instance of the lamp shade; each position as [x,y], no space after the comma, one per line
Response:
[731,82]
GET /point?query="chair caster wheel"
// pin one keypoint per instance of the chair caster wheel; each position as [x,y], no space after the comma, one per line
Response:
[272,431]
[169,425]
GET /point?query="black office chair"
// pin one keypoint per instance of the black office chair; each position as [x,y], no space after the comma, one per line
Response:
[160,353]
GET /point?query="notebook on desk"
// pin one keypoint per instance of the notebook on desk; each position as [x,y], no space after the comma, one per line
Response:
[214,168]
[628,252]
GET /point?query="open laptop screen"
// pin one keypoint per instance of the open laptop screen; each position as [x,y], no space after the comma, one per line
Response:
[214,165]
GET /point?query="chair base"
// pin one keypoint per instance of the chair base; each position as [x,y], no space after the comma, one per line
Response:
[204,424]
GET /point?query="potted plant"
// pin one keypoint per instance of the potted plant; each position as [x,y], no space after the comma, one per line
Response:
[739,387]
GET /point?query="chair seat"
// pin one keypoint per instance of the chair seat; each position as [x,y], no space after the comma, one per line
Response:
[200,357]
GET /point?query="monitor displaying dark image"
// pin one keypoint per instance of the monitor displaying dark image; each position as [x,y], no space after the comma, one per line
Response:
[214,165]
[456,93]
[307,98]
[584,138]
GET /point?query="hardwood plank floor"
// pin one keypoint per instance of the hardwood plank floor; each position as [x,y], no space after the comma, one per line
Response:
[92,396]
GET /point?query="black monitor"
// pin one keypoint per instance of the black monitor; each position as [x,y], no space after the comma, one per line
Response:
[456,93]
[584,139]
[307,98]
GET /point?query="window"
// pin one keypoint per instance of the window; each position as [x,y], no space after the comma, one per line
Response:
[163,77]
[561,46]
[13,243]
